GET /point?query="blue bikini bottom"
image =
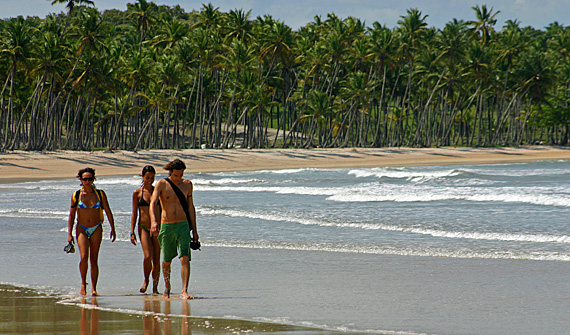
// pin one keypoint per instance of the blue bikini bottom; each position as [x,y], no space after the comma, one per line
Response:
[90,230]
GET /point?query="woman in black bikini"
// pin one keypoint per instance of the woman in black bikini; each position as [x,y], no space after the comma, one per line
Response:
[88,204]
[150,246]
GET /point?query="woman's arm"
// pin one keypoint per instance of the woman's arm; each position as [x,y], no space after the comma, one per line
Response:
[107,209]
[153,212]
[134,216]
[70,220]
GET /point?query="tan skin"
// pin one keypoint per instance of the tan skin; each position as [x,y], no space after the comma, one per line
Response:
[89,217]
[149,243]
[172,212]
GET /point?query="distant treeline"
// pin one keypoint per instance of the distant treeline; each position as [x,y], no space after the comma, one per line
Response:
[157,77]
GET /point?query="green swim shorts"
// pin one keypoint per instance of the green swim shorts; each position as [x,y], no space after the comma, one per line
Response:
[174,239]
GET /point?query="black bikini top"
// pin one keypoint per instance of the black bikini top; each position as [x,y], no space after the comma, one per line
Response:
[142,202]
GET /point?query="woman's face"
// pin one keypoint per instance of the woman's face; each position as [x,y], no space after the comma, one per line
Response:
[148,178]
[87,178]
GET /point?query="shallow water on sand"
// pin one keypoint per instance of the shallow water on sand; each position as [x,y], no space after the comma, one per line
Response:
[25,311]
[479,249]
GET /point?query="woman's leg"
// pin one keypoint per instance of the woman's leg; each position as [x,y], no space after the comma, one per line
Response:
[83,245]
[146,244]
[95,240]
[155,264]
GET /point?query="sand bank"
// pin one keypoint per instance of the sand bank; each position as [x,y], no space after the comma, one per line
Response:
[22,165]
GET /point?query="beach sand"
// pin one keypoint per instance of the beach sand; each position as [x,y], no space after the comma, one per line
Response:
[25,311]
[20,166]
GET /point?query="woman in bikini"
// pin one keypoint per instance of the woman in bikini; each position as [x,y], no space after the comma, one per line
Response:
[88,204]
[149,243]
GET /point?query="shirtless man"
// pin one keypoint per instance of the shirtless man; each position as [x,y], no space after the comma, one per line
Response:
[174,235]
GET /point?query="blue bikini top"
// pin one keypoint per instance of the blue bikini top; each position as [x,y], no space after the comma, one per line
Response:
[80,203]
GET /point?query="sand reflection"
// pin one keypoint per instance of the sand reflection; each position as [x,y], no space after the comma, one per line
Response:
[159,318]
[89,325]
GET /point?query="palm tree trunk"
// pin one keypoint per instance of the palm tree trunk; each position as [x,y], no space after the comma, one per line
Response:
[113,143]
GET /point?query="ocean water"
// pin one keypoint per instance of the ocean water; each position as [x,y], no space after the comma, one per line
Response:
[463,249]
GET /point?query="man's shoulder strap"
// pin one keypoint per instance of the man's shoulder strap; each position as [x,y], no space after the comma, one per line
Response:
[178,192]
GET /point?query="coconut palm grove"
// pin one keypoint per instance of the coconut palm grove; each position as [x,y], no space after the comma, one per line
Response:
[158,77]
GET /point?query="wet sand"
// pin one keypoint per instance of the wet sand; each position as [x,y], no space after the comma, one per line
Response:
[20,166]
[25,311]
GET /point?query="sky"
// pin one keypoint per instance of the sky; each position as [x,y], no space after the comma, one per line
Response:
[297,13]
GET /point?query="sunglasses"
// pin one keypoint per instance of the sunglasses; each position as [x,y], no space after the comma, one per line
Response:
[88,179]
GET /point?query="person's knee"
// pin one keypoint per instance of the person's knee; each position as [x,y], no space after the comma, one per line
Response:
[93,255]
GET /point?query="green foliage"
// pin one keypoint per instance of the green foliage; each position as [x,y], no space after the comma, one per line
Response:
[155,76]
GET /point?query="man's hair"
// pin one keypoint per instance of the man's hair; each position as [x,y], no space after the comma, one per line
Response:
[176,164]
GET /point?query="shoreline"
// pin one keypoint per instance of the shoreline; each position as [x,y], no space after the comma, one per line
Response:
[40,313]
[21,166]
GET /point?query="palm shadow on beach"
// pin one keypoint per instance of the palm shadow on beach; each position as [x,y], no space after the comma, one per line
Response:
[19,166]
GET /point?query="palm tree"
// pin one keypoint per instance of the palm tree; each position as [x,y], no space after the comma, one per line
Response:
[538,78]
[51,62]
[89,34]
[209,17]
[276,40]
[258,101]
[237,25]
[71,4]
[143,13]
[412,31]
[170,32]
[383,57]
[483,26]
[239,58]
[138,69]
[356,90]
[510,43]
[317,112]
[18,47]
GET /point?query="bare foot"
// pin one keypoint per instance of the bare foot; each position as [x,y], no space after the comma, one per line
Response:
[155,288]
[83,290]
[144,287]
[166,294]
[94,293]
[185,295]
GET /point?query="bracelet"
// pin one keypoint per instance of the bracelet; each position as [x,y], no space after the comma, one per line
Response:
[132,234]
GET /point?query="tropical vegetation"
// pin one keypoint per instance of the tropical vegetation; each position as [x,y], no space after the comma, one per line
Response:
[157,77]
